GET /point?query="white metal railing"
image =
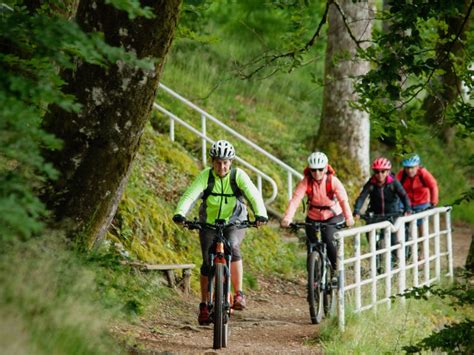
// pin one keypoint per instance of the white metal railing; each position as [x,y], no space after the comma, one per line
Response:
[357,261]
[204,137]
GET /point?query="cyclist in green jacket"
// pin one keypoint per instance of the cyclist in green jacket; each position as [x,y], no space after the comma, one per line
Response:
[222,189]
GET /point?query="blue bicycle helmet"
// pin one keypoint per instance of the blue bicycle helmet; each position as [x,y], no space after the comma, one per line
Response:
[411,161]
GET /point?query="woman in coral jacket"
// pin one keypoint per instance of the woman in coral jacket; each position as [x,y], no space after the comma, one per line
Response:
[420,185]
[327,201]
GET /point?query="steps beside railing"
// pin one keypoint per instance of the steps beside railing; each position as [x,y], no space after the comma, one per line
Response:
[202,133]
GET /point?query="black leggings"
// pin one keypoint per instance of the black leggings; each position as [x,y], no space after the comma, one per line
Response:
[327,236]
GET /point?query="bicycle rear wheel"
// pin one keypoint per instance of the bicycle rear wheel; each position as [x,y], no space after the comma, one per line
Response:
[220,329]
[315,294]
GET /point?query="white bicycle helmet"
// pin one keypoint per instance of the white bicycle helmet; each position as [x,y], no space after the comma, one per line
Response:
[317,160]
[222,150]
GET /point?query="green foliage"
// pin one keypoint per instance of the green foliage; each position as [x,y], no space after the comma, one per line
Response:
[132,7]
[408,62]
[452,338]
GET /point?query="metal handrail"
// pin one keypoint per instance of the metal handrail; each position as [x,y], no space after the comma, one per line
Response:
[380,295]
[204,116]
[240,160]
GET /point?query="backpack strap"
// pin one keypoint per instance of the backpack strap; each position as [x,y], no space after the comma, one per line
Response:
[329,192]
[236,191]
[419,174]
[233,184]
[329,189]
[210,185]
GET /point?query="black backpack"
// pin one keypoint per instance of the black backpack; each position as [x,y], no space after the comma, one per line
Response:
[237,192]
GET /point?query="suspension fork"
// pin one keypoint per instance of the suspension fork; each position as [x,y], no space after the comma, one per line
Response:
[221,258]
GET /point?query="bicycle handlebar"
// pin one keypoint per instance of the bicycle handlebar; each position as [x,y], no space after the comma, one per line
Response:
[372,217]
[317,225]
[220,224]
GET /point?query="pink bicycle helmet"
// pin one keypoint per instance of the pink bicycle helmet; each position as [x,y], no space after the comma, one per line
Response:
[381,164]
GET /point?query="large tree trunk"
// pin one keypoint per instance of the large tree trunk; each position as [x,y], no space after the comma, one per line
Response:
[344,132]
[100,142]
[448,85]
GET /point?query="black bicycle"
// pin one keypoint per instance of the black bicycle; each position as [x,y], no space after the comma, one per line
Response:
[219,293]
[322,281]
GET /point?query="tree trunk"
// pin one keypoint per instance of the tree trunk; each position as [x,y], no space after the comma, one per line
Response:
[470,257]
[101,141]
[447,87]
[344,132]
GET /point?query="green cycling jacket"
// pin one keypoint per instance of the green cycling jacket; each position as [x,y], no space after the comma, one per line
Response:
[215,207]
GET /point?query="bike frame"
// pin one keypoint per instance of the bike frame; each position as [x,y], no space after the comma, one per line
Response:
[220,254]
[325,288]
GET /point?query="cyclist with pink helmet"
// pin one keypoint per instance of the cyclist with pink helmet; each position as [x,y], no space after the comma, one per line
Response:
[327,201]
[384,191]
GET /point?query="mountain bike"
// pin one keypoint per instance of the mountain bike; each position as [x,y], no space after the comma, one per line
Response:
[220,256]
[371,218]
[322,283]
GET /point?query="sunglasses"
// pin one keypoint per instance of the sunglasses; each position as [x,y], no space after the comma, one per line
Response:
[314,170]
[380,171]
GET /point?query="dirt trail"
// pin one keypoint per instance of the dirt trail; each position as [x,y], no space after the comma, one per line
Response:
[276,320]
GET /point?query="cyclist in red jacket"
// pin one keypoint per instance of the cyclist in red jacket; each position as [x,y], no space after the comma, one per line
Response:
[421,188]
[420,185]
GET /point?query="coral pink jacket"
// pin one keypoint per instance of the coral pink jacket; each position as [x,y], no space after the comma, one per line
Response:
[320,198]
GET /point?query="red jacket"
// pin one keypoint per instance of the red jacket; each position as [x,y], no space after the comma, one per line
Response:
[420,193]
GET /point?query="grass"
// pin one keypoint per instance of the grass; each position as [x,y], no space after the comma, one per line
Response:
[49,302]
[388,330]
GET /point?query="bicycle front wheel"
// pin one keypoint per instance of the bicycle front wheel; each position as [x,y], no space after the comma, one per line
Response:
[330,292]
[220,330]
[315,294]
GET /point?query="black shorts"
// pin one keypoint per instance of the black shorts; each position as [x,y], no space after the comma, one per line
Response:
[206,236]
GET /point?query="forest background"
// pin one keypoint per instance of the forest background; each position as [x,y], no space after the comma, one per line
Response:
[54,284]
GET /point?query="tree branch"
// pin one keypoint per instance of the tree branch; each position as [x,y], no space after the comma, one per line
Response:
[346,25]
[269,59]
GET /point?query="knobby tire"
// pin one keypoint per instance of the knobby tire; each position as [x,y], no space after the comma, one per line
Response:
[330,292]
[315,294]
[219,316]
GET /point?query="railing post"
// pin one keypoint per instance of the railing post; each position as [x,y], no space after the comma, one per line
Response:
[437,246]
[171,129]
[204,143]
[388,265]
[414,236]
[450,245]
[290,185]
[426,250]
[373,268]
[358,297]
[340,290]
[401,260]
